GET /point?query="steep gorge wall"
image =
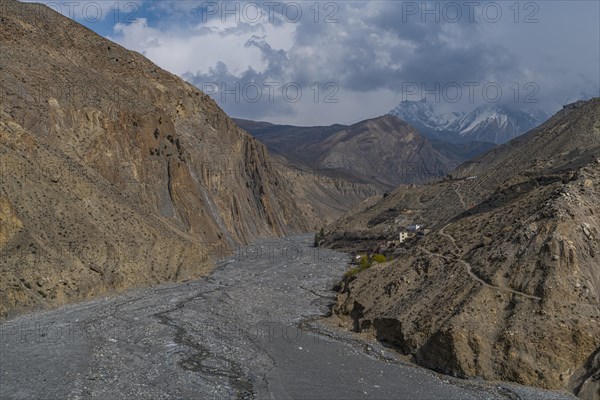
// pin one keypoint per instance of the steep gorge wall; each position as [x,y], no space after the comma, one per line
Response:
[102,149]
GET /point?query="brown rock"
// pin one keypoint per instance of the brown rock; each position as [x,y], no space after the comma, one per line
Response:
[110,164]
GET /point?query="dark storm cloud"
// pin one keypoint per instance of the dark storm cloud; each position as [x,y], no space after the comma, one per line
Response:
[422,52]
[438,63]
[250,94]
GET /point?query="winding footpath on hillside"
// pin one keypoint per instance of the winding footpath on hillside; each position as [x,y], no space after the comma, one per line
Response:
[467,265]
[249,330]
[469,269]
[460,196]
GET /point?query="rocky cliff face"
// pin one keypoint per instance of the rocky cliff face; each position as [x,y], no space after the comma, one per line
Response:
[116,173]
[507,284]
[326,197]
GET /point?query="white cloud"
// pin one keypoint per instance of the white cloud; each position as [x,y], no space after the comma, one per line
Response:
[199,49]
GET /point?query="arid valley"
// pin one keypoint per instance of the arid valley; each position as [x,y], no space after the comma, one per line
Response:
[322,239]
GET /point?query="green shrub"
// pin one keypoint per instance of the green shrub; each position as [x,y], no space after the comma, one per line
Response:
[364,262]
[378,258]
[352,272]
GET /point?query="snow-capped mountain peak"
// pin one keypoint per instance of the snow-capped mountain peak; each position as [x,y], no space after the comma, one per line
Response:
[424,114]
[487,123]
[496,123]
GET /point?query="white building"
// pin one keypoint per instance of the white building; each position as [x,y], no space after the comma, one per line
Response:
[402,236]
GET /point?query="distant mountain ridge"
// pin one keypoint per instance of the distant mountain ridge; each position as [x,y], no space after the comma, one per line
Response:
[386,150]
[487,123]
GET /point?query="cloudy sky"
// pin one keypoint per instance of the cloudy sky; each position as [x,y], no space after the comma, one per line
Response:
[310,63]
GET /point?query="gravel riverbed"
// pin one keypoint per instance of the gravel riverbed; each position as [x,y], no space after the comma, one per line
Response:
[249,330]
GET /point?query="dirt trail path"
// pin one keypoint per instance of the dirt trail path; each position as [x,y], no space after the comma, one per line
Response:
[470,272]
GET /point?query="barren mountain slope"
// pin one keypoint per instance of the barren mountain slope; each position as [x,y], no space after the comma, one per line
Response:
[385,149]
[291,142]
[323,194]
[66,235]
[101,149]
[508,288]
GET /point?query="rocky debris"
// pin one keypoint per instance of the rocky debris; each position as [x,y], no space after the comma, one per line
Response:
[574,105]
[585,382]
[587,230]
